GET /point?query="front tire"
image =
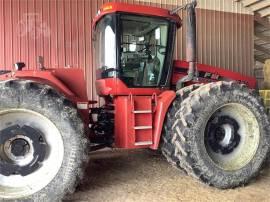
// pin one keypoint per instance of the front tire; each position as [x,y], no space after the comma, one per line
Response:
[222,134]
[42,143]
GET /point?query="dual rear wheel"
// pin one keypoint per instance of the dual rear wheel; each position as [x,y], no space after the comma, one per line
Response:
[218,133]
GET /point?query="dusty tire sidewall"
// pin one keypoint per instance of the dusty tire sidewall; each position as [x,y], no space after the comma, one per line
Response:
[62,119]
[198,147]
[166,146]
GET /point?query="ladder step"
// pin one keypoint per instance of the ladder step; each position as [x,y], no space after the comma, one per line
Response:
[142,112]
[143,143]
[142,127]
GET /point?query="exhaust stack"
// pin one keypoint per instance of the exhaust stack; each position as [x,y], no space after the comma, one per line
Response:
[191,47]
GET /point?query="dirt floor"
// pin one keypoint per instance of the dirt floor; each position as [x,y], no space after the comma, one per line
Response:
[144,175]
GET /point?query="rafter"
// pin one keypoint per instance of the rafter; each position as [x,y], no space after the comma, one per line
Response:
[265,12]
[260,5]
[250,2]
[263,21]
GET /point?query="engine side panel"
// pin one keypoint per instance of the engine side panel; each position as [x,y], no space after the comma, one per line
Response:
[210,74]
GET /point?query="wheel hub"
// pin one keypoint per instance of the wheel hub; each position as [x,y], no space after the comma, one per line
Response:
[21,154]
[18,150]
[19,147]
[222,134]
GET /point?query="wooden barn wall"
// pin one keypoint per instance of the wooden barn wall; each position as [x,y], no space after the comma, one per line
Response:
[60,31]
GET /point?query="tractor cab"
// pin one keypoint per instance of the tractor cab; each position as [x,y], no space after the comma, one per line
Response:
[133,48]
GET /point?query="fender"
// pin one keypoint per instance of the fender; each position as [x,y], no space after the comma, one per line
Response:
[164,101]
[69,82]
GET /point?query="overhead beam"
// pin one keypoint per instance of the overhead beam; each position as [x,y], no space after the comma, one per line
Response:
[263,21]
[260,5]
[250,2]
[265,12]
[262,49]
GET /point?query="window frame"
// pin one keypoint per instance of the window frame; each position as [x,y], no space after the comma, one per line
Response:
[166,74]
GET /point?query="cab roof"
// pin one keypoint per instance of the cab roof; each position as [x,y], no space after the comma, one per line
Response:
[114,7]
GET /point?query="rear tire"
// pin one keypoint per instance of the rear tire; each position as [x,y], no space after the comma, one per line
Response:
[221,134]
[33,110]
[168,137]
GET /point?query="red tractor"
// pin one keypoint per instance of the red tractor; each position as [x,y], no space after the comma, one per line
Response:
[206,120]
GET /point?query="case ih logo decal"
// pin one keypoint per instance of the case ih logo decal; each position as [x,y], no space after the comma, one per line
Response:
[204,76]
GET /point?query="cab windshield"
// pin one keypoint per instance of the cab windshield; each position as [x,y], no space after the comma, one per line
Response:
[143,50]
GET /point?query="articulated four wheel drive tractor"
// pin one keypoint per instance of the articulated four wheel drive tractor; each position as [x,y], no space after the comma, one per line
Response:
[207,121]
